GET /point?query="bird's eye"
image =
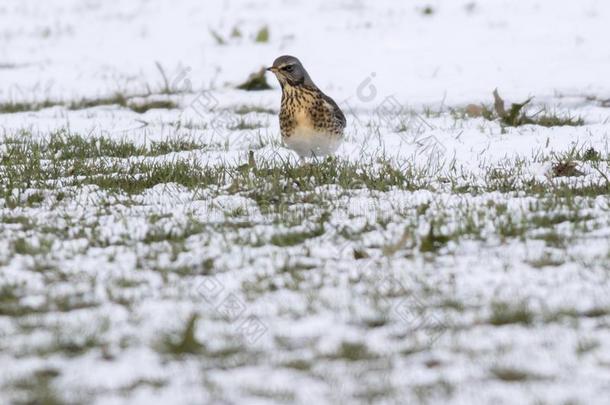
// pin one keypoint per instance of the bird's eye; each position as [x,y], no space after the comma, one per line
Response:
[288,68]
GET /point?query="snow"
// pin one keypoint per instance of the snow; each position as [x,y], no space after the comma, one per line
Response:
[303,310]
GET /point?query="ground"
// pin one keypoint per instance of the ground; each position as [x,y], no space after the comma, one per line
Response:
[158,244]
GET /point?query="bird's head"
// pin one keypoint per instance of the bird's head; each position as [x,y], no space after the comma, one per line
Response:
[289,70]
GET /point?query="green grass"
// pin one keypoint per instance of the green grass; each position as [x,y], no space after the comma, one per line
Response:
[244,125]
[589,155]
[511,374]
[65,145]
[218,38]
[75,159]
[175,234]
[246,109]
[585,346]
[143,175]
[38,389]
[256,81]
[152,104]
[273,395]
[293,238]
[37,172]
[298,364]
[119,99]
[433,241]
[236,32]
[552,119]
[35,199]
[428,393]
[517,114]
[71,346]
[275,187]
[143,383]
[25,222]
[30,164]
[427,11]
[11,305]
[184,342]
[353,351]
[9,299]
[10,107]
[546,260]
[78,160]
[504,313]
[262,36]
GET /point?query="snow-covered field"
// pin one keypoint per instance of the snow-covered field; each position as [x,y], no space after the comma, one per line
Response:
[158,244]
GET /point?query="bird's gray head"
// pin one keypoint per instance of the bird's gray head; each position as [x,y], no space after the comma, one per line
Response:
[289,70]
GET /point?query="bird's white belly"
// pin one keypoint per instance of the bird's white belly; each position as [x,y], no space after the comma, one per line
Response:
[308,142]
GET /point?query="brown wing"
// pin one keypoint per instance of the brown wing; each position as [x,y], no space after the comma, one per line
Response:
[338,118]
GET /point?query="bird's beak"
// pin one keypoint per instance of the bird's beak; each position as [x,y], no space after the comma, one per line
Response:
[272,69]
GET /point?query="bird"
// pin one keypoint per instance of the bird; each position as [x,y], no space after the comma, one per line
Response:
[311,123]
